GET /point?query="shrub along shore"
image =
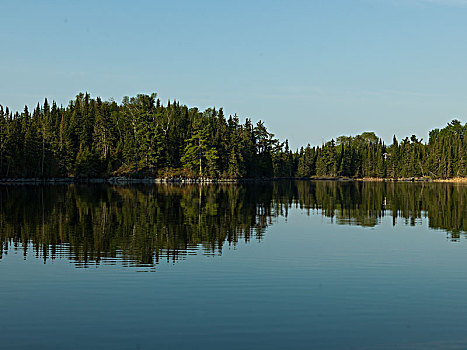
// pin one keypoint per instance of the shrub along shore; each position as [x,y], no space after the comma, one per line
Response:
[92,140]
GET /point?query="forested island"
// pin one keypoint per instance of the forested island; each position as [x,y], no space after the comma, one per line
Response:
[141,137]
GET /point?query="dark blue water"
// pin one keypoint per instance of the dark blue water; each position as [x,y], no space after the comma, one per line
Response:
[305,283]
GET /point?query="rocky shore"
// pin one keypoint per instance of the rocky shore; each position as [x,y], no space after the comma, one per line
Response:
[117,180]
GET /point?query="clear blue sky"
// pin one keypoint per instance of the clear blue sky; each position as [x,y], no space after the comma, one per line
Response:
[312,70]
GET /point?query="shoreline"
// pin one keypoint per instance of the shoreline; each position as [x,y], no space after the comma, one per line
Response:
[150,180]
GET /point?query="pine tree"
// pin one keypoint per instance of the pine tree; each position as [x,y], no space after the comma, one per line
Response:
[198,153]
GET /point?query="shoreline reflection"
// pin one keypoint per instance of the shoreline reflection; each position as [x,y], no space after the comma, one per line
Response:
[144,225]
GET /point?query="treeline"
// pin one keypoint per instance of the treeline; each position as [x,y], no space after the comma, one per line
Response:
[142,137]
[366,155]
[139,137]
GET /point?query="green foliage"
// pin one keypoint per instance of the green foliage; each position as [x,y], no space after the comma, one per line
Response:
[200,154]
[142,137]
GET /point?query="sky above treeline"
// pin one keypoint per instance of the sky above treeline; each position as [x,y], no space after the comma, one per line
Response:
[312,70]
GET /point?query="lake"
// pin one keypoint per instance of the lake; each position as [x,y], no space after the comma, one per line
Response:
[286,264]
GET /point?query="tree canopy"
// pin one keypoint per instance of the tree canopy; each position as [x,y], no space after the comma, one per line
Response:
[143,137]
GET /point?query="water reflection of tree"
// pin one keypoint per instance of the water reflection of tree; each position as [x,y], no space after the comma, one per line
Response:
[365,203]
[141,225]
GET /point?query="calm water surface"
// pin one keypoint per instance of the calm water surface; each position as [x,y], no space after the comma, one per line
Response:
[286,265]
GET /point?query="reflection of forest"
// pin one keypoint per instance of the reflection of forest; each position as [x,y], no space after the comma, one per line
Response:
[140,225]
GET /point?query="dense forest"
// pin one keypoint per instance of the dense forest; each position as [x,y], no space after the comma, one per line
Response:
[142,137]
